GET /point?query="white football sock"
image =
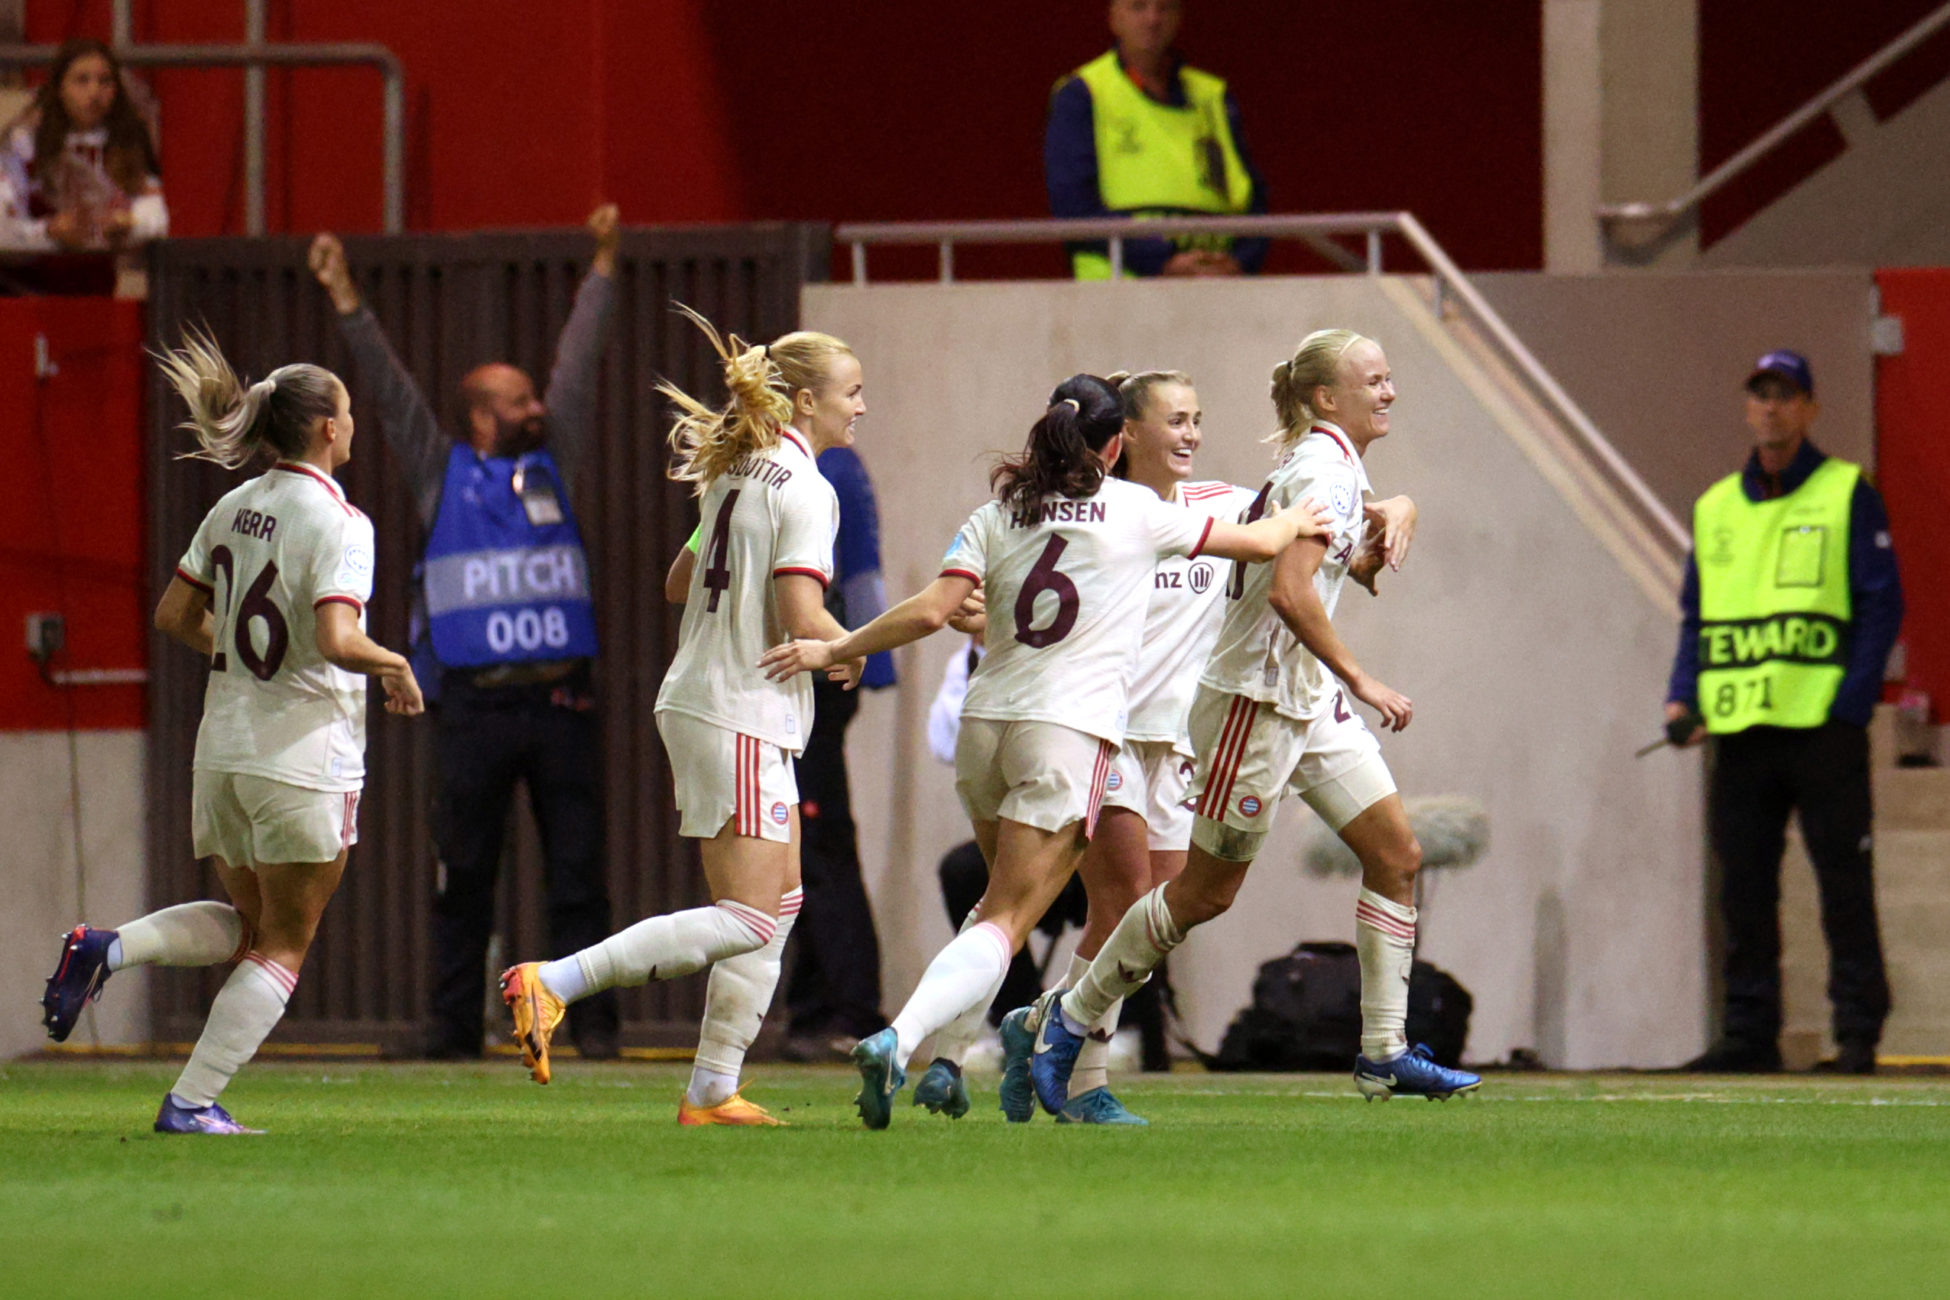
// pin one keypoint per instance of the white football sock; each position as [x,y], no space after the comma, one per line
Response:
[1384,936]
[954,1039]
[1145,936]
[661,948]
[190,934]
[735,1002]
[1093,1062]
[247,1008]
[968,970]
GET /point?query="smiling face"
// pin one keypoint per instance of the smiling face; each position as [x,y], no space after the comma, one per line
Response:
[88,92]
[1162,442]
[1360,397]
[827,414]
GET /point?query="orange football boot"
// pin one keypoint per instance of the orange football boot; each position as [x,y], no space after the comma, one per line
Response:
[537,1012]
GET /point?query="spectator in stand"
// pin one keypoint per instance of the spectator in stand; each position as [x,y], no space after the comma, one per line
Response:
[507,628]
[833,999]
[78,169]
[1790,606]
[1138,133]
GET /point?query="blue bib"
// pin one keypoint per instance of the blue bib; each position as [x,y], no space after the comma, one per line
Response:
[505,576]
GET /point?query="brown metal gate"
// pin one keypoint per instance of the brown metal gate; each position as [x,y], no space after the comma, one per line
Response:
[449,303]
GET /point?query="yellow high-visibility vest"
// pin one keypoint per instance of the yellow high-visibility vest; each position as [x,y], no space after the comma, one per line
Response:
[1158,159]
[1773,600]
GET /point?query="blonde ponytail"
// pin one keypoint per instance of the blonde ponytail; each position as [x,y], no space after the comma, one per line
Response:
[1316,362]
[761,381]
[235,423]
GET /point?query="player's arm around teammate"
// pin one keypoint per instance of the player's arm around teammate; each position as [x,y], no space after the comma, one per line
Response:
[282,561]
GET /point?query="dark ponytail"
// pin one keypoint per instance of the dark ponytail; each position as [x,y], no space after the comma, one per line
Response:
[1084,413]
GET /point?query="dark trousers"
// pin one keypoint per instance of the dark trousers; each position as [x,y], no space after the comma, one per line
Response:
[487,740]
[1760,776]
[835,984]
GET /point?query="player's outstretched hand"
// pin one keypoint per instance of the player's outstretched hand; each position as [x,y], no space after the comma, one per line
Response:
[1365,567]
[1396,709]
[794,657]
[1316,520]
[1396,518]
[326,259]
[403,693]
[972,618]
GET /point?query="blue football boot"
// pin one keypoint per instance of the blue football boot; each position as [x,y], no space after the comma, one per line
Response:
[1017,1094]
[1098,1107]
[175,1117]
[942,1089]
[880,1078]
[1412,1074]
[76,981]
[1055,1052]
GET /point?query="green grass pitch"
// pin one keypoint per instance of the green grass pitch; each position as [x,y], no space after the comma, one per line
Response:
[380,1180]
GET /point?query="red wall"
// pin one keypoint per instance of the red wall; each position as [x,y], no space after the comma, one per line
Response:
[72,497]
[1913,469]
[526,114]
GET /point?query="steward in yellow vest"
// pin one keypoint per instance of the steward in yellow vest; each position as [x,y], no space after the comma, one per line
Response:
[1136,132]
[1790,607]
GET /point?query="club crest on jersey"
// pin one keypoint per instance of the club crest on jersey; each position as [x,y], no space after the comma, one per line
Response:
[1115,781]
[1201,577]
[1249,806]
[779,813]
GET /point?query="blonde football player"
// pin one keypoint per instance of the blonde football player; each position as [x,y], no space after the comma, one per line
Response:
[273,593]
[765,559]
[1272,714]
[1066,554]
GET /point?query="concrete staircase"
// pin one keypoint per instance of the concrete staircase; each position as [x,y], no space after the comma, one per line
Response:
[1912,830]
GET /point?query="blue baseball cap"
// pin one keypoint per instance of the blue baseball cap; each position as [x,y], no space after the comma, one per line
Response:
[1791,366]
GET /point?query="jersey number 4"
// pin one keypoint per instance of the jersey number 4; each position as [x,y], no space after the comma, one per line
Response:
[717,573]
[256,604]
[1044,577]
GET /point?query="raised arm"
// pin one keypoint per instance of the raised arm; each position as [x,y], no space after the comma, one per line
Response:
[1298,605]
[408,424]
[571,393]
[1263,539]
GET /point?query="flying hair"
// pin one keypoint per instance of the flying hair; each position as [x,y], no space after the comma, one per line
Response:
[236,423]
[1316,363]
[761,380]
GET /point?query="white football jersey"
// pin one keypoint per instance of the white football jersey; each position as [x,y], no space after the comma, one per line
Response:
[770,514]
[1182,623]
[1257,656]
[268,555]
[1067,591]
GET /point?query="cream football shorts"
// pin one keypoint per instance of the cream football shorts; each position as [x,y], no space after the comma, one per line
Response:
[252,820]
[1041,774]
[1250,756]
[724,776]
[1153,779]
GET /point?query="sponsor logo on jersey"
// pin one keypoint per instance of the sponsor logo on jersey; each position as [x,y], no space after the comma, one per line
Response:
[1249,806]
[779,813]
[1201,577]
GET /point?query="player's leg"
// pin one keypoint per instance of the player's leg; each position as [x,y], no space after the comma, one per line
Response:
[740,992]
[746,853]
[1359,803]
[1116,871]
[942,1088]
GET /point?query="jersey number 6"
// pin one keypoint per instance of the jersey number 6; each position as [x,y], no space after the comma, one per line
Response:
[257,603]
[1042,578]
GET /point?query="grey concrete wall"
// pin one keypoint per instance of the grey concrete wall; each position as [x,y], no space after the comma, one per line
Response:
[46,890]
[1535,658]
[1657,360]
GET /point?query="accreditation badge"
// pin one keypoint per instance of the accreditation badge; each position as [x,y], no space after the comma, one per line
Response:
[537,489]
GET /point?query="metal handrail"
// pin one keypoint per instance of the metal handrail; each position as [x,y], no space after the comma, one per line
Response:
[1450,282]
[325,54]
[1711,183]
